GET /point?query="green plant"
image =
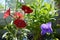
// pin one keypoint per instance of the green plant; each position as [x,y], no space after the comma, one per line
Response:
[35,14]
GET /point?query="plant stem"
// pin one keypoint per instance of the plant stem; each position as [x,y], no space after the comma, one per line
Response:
[16,5]
[7,28]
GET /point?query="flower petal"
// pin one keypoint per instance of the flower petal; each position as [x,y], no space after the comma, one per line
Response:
[19,15]
[48,24]
[50,31]
[7,13]
[44,26]
[43,32]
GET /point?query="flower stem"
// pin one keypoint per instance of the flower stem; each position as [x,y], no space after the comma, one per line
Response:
[7,28]
[16,5]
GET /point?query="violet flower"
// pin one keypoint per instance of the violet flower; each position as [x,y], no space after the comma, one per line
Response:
[46,28]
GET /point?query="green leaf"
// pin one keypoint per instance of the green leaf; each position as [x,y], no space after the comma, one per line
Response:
[4,35]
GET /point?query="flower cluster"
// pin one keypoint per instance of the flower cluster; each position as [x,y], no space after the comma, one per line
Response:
[19,17]
[20,22]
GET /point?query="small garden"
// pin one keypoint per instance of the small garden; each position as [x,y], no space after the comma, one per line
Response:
[30,20]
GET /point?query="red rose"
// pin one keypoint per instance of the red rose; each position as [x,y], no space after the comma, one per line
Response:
[18,15]
[7,13]
[26,9]
[19,23]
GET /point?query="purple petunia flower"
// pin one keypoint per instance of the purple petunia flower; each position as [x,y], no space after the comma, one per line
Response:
[46,28]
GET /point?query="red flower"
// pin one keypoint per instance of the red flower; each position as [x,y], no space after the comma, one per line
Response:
[7,13]
[18,15]
[19,23]
[26,9]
